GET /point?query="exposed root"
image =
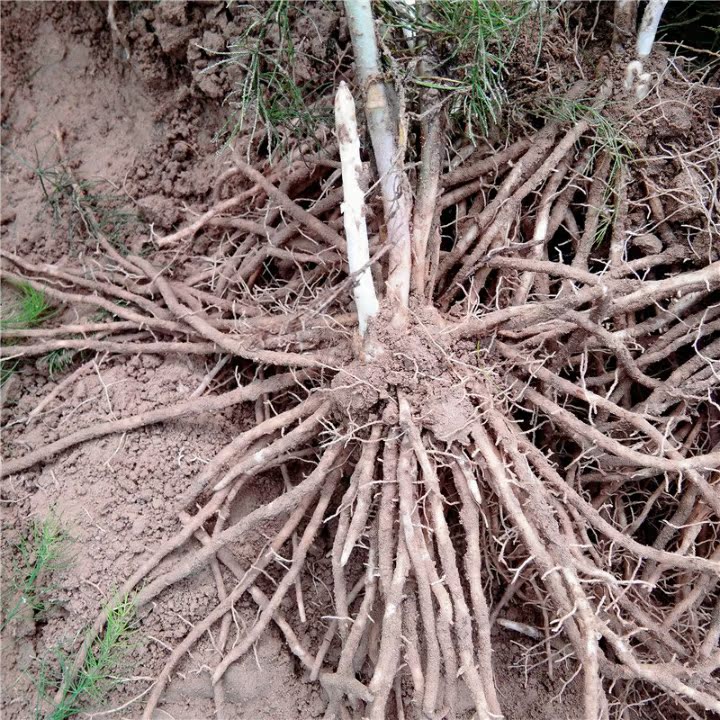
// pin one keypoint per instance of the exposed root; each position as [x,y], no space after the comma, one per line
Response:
[534,439]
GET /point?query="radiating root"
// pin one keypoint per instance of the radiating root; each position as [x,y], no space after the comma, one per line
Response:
[363,496]
[172,412]
[298,559]
[390,642]
[553,445]
[246,582]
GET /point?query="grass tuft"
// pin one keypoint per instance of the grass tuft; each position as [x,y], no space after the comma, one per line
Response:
[7,369]
[31,309]
[58,361]
[97,674]
[79,205]
[608,139]
[41,554]
[268,99]
[472,42]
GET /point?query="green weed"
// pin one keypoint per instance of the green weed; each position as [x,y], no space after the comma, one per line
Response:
[58,361]
[472,41]
[97,673]
[269,95]
[88,212]
[608,139]
[607,136]
[78,205]
[7,368]
[30,309]
[101,214]
[41,555]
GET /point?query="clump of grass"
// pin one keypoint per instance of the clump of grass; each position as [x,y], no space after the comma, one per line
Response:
[88,212]
[97,673]
[30,309]
[472,42]
[7,369]
[608,139]
[78,205]
[98,213]
[268,98]
[58,361]
[41,554]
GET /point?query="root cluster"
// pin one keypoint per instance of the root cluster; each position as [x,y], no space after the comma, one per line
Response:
[541,429]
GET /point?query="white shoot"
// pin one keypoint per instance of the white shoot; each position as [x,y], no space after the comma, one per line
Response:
[632,71]
[353,208]
[648,27]
[643,86]
[635,77]
[383,133]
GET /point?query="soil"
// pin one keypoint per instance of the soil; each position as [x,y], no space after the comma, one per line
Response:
[145,130]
